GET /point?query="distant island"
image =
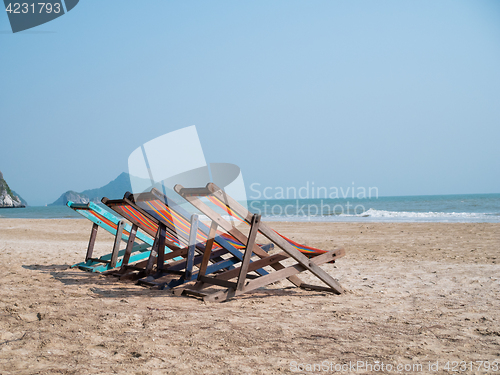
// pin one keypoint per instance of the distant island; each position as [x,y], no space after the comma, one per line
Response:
[9,198]
[114,190]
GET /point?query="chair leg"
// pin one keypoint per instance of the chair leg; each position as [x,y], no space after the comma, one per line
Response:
[116,245]
[191,247]
[93,235]
[254,229]
[154,253]
[162,229]
[130,245]
[208,250]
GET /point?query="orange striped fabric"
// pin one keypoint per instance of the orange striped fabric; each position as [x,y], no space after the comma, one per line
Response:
[308,250]
[183,226]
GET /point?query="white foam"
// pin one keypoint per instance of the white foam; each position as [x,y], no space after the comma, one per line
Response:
[374,215]
[434,215]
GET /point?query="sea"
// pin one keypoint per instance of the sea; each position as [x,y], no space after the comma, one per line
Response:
[468,208]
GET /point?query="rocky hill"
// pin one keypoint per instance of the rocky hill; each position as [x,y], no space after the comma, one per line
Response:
[114,190]
[23,202]
[70,195]
[8,198]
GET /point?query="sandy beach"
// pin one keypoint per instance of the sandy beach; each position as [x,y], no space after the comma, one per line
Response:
[418,293]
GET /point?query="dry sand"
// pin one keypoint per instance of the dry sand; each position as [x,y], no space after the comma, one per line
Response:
[417,293]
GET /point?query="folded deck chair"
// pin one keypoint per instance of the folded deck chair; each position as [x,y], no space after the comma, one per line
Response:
[242,284]
[117,227]
[184,234]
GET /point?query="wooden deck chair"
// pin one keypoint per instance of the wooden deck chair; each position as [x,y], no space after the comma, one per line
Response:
[101,218]
[172,215]
[159,206]
[290,250]
[184,234]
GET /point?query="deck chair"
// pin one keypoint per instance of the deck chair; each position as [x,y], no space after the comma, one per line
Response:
[165,210]
[306,258]
[101,218]
[179,231]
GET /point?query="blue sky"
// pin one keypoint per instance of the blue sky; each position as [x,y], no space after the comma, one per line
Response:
[404,96]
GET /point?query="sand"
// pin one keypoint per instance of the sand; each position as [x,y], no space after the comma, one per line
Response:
[418,294]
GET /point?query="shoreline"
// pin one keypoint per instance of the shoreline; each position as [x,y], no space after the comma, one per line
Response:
[280,220]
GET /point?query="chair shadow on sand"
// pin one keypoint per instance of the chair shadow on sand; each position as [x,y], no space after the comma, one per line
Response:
[106,286]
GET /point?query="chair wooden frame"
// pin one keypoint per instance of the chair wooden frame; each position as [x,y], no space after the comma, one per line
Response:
[136,251]
[242,283]
[166,237]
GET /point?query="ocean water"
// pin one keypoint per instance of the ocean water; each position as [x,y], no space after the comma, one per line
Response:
[427,208]
[39,212]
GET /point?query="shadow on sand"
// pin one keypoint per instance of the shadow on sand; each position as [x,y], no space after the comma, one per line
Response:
[110,287]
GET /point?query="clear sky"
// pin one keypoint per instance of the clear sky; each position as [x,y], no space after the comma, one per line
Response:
[401,95]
